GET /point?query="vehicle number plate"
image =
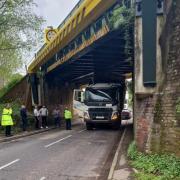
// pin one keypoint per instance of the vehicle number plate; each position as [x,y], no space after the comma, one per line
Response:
[99,117]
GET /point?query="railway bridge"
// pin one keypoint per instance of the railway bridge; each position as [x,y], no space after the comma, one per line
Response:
[90,46]
[109,41]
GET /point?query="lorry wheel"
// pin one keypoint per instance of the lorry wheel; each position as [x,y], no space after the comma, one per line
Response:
[116,126]
[89,126]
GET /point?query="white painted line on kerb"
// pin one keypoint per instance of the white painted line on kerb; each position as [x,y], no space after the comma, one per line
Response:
[82,131]
[57,141]
[9,164]
[43,178]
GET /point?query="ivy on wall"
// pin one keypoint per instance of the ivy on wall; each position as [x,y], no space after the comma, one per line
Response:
[123,18]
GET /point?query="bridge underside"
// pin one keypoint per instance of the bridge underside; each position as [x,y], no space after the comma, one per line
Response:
[106,60]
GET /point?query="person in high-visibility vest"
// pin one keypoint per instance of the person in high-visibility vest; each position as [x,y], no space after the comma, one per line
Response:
[7,120]
[68,117]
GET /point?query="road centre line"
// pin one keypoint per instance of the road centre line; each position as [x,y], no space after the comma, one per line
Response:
[58,141]
[9,164]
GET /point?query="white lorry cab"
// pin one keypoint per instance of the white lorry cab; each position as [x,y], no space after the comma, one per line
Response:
[100,103]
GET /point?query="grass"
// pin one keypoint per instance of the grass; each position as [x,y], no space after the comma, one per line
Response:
[154,166]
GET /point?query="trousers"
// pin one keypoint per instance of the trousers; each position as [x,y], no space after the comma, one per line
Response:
[68,124]
[8,131]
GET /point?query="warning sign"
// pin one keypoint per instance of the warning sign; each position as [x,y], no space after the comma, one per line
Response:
[50,34]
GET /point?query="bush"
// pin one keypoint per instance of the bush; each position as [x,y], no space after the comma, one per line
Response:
[162,166]
[16,117]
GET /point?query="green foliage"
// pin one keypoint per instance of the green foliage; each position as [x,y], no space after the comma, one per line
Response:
[143,176]
[20,31]
[16,106]
[13,81]
[132,152]
[122,17]
[163,166]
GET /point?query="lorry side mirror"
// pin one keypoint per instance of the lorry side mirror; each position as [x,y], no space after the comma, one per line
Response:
[78,96]
[82,96]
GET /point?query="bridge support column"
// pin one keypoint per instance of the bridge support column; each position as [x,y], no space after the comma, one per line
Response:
[148,70]
[33,80]
[157,106]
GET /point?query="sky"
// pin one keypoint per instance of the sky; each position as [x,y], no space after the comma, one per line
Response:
[53,12]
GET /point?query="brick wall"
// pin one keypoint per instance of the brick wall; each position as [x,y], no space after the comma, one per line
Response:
[18,92]
[157,116]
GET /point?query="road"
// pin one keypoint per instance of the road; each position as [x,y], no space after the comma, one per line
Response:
[60,155]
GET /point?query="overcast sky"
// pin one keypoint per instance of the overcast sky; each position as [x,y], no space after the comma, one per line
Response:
[54,11]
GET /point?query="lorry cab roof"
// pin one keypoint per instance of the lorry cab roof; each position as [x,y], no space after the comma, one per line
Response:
[104,85]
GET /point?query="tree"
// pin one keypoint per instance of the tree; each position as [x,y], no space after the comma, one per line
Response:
[122,19]
[20,32]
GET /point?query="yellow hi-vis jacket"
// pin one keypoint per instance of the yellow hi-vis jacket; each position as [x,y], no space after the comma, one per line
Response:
[6,117]
[67,114]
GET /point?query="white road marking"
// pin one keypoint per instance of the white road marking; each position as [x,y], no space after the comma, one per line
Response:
[2,167]
[57,141]
[82,131]
[43,178]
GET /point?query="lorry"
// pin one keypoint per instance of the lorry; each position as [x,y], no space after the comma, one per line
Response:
[100,103]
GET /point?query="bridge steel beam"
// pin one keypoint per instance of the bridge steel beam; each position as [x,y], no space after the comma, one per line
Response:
[149,21]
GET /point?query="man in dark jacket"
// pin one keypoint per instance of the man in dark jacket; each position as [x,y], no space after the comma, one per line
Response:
[23,113]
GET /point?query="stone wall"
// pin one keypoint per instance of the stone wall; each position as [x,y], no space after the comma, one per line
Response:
[157,111]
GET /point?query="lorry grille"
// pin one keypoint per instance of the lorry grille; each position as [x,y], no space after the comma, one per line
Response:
[100,113]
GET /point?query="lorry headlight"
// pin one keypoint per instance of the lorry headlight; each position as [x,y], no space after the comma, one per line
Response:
[115,116]
[86,115]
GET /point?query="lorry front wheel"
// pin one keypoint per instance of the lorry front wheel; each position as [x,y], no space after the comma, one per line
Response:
[116,126]
[89,126]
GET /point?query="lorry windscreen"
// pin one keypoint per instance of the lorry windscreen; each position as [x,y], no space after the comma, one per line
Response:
[101,95]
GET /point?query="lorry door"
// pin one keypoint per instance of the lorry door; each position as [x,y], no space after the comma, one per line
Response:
[78,104]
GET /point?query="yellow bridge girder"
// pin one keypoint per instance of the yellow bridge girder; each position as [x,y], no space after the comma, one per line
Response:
[80,18]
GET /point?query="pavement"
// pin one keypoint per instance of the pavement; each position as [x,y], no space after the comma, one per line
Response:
[57,154]
[120,169]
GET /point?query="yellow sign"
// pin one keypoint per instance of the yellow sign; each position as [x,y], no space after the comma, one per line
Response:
[50,34]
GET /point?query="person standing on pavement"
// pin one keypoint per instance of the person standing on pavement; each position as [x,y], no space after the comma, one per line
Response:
[36,115]
[7,120]
[44,114]
[68,117]
[23,113]
[57,118]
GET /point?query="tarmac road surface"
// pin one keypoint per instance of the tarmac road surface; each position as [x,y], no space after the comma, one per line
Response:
[60,155]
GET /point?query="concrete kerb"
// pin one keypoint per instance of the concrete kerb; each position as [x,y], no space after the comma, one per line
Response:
[115,160]
[6,139]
